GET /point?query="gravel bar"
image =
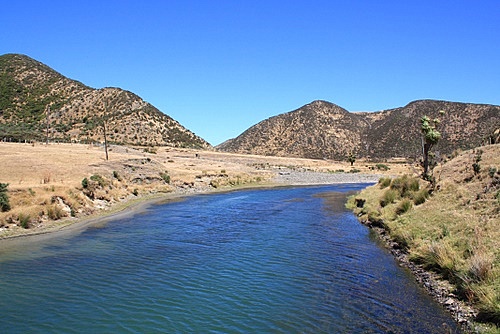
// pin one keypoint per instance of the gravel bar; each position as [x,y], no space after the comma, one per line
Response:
[314,178]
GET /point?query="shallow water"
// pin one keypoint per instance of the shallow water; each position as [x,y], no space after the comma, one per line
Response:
[258,261]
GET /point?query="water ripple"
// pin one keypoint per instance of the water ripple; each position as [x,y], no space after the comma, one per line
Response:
[279,261]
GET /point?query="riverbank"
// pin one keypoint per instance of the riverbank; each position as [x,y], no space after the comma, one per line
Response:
[50,187]
[448,233]
[135,204]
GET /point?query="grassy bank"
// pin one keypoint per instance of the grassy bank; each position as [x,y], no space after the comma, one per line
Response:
[452,227]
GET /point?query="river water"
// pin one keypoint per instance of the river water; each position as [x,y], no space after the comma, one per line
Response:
[257,261]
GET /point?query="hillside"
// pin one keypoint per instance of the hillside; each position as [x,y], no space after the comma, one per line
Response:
[451,229]
[77,112]
[324,130]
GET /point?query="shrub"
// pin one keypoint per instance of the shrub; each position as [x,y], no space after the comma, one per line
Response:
[477,159]
[85,183]
[420,196]
[384,182]
[99,179]
[389,197]
[382,167]
[116,175]
[165,177]
[404,206]
[492,171]
[135,192]
[354,170]
[4,198]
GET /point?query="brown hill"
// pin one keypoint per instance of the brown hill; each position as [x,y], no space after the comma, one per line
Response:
[77,112]
[324,130]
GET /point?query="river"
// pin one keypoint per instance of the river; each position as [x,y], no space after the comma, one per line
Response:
[289,260]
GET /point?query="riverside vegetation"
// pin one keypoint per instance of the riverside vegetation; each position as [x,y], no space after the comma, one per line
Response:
[450,227]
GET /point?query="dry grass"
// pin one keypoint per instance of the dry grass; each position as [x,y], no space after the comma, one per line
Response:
[45,182]
[456,232]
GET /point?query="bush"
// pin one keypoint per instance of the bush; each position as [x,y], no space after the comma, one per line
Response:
[389,197]
[99,179]
[116,175]
[165,177]
[384,182]
[382,167]
[85,183]
[404,206]
[4,198]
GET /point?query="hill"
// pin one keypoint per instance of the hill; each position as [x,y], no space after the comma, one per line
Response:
[324,130]
[77,112]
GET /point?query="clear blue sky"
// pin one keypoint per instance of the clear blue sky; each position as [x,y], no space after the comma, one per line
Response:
[220,66]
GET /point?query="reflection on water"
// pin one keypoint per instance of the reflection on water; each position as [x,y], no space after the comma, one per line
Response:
[283,260]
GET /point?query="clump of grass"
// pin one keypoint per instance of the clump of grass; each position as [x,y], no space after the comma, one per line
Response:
[404,206]
[405,185]
[24,220]
[55,212]
[388,197]
[420,196]
[480,266]
[384,182]
[441,257]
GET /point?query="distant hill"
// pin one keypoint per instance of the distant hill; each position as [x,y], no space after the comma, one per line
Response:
[324,130]
[77,112]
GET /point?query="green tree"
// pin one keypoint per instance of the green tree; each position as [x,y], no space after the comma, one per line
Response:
[430,137]
[351,158]
[4,198]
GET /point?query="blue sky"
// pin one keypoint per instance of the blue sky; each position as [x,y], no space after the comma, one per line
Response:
[218,67]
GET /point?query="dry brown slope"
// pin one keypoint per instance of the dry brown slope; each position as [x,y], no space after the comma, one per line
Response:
[324,130]
[77,113]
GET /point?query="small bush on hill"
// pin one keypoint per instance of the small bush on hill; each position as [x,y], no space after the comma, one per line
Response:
[165,177]
[382,167]
[99,179]
[85,183]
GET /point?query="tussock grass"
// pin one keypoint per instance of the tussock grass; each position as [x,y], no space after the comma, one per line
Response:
[454,232]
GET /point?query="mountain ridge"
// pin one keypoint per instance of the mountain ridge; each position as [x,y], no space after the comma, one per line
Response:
[323,130]
[78,112]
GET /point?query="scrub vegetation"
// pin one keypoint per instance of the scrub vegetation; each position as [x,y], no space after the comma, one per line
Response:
[451,227]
